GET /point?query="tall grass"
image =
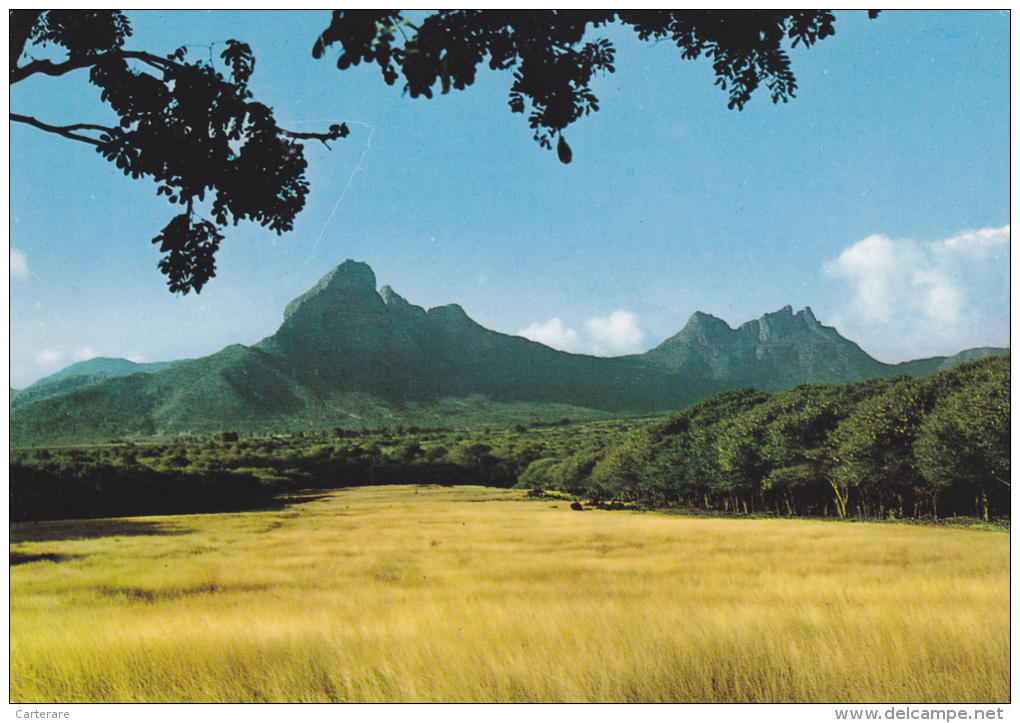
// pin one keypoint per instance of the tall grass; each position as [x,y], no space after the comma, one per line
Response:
[469,594]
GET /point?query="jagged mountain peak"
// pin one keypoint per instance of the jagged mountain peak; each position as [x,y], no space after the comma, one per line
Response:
[395,303]
[700,318]
[342,344]
[700,328]
[449,312]
[780,324]
[708,329]
[351,278]
[349,274]
[391,297]
[779,349]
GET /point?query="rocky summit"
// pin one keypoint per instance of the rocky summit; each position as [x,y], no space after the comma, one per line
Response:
[349,355]
[344,335]
[778,350]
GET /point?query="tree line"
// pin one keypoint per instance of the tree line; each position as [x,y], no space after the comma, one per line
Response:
[933,446]
[929,447]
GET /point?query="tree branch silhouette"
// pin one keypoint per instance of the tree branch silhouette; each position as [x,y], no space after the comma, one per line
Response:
[65,131]
[195,128]
[192,126]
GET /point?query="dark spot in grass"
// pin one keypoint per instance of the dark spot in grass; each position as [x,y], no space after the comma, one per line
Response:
[22,558]
[150,596]
[88,530]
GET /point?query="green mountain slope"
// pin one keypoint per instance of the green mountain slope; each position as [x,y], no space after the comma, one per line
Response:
[348,355]
[81,374]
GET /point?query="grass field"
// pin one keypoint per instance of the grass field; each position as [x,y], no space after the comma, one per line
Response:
[471,594]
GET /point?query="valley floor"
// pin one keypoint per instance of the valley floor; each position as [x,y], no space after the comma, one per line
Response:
[414,594]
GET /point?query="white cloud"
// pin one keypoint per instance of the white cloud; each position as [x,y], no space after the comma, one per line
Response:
[49,356]
[58,357]
[872,266]
[19,265]
[920,299]
[619,331]
[979,244]
[937,296]
[551,333]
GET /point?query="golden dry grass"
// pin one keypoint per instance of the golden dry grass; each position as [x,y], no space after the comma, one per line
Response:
[472,594]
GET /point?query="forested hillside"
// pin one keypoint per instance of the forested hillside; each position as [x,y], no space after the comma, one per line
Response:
[934,447]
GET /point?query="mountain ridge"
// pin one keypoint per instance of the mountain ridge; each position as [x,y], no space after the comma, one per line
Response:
[343,345]
[82,374]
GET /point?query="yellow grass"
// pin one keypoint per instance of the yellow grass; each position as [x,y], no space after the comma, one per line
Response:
[471,594]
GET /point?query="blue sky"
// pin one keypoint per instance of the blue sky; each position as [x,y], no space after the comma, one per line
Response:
[879,197]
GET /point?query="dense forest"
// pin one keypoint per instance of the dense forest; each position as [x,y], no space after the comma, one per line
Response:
[933,447]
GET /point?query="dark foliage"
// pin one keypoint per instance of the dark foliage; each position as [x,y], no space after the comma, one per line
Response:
[194,128]
[932,447]
[89,490]
[551,62]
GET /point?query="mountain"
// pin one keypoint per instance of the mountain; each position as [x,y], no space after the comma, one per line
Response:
[348,355]
[918,367]
[106,367]
[81,374]
[343,334]
[779,350]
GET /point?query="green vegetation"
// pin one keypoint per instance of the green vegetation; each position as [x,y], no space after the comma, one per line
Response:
[230,471]
[933,447]
[348,355]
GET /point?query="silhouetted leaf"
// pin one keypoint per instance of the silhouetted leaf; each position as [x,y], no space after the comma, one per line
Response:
[563,150]
[552,66]
[193,130]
